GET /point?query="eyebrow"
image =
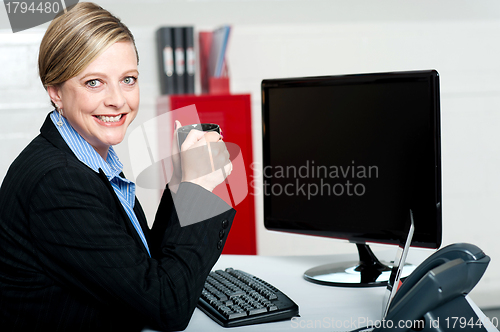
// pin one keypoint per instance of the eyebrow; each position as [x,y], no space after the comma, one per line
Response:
[104,75]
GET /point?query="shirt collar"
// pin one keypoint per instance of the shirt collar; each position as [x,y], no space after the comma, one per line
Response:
[112,167]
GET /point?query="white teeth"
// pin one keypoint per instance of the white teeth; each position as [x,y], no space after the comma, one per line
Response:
[109,118]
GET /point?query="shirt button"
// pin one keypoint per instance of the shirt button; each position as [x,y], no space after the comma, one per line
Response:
[221,234]
[219,244]
[225,223]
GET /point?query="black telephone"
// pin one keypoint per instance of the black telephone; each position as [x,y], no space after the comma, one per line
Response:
[432,298]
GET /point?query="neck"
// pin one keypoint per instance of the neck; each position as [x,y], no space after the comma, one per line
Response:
[103,152]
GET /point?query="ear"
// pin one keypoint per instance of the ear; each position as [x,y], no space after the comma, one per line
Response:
[55,95]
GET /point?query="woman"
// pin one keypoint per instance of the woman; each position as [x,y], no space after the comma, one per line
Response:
[76,252]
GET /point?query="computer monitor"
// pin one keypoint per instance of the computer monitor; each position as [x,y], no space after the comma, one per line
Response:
[353,157]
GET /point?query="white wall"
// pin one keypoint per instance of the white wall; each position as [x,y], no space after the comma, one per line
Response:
[282,38]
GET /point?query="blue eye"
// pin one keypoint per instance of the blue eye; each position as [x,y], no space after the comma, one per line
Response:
[129,80]
[92,83]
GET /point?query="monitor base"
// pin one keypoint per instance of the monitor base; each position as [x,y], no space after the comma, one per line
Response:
[367,272]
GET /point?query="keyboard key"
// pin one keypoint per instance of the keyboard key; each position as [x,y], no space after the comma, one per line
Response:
[234,315]
[236,293]
[257,311]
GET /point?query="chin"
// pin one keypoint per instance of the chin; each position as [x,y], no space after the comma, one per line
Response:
[112,137]
[110,141]
[115,141]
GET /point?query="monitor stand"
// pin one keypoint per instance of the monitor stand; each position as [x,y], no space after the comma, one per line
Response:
[367,272]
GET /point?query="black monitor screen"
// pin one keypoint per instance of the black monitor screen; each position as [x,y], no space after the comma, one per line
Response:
[349,156]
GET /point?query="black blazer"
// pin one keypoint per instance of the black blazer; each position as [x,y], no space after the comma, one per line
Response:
[70,259]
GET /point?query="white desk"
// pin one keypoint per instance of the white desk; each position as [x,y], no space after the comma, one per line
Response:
[321,305]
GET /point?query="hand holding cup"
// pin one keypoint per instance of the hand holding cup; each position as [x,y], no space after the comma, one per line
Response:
[204,159]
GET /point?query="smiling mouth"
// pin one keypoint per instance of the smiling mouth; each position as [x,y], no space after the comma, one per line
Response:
[109,119]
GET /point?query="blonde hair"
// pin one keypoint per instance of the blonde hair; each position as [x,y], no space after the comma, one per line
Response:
[74,39]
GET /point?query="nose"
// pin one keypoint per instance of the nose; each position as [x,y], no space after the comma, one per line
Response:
[115,97]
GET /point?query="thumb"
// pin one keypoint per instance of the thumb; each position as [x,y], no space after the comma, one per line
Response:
[175,145]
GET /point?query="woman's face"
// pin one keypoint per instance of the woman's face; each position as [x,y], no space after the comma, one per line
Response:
[101,102]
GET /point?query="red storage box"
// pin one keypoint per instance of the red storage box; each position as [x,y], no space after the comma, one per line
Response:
[233,114]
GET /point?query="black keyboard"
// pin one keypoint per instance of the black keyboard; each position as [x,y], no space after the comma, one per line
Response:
[235,298]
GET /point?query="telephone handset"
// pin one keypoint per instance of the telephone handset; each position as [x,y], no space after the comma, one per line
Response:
[435,292]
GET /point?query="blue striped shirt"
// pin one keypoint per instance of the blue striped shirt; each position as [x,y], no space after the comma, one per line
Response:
[112,167]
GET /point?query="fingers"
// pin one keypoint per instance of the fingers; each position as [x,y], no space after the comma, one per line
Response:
[197,138]
[193,139]
[212,136]
[207,158]
[206,165]
[228,169]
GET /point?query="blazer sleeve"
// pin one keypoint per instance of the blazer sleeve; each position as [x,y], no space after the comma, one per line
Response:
[82,243]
